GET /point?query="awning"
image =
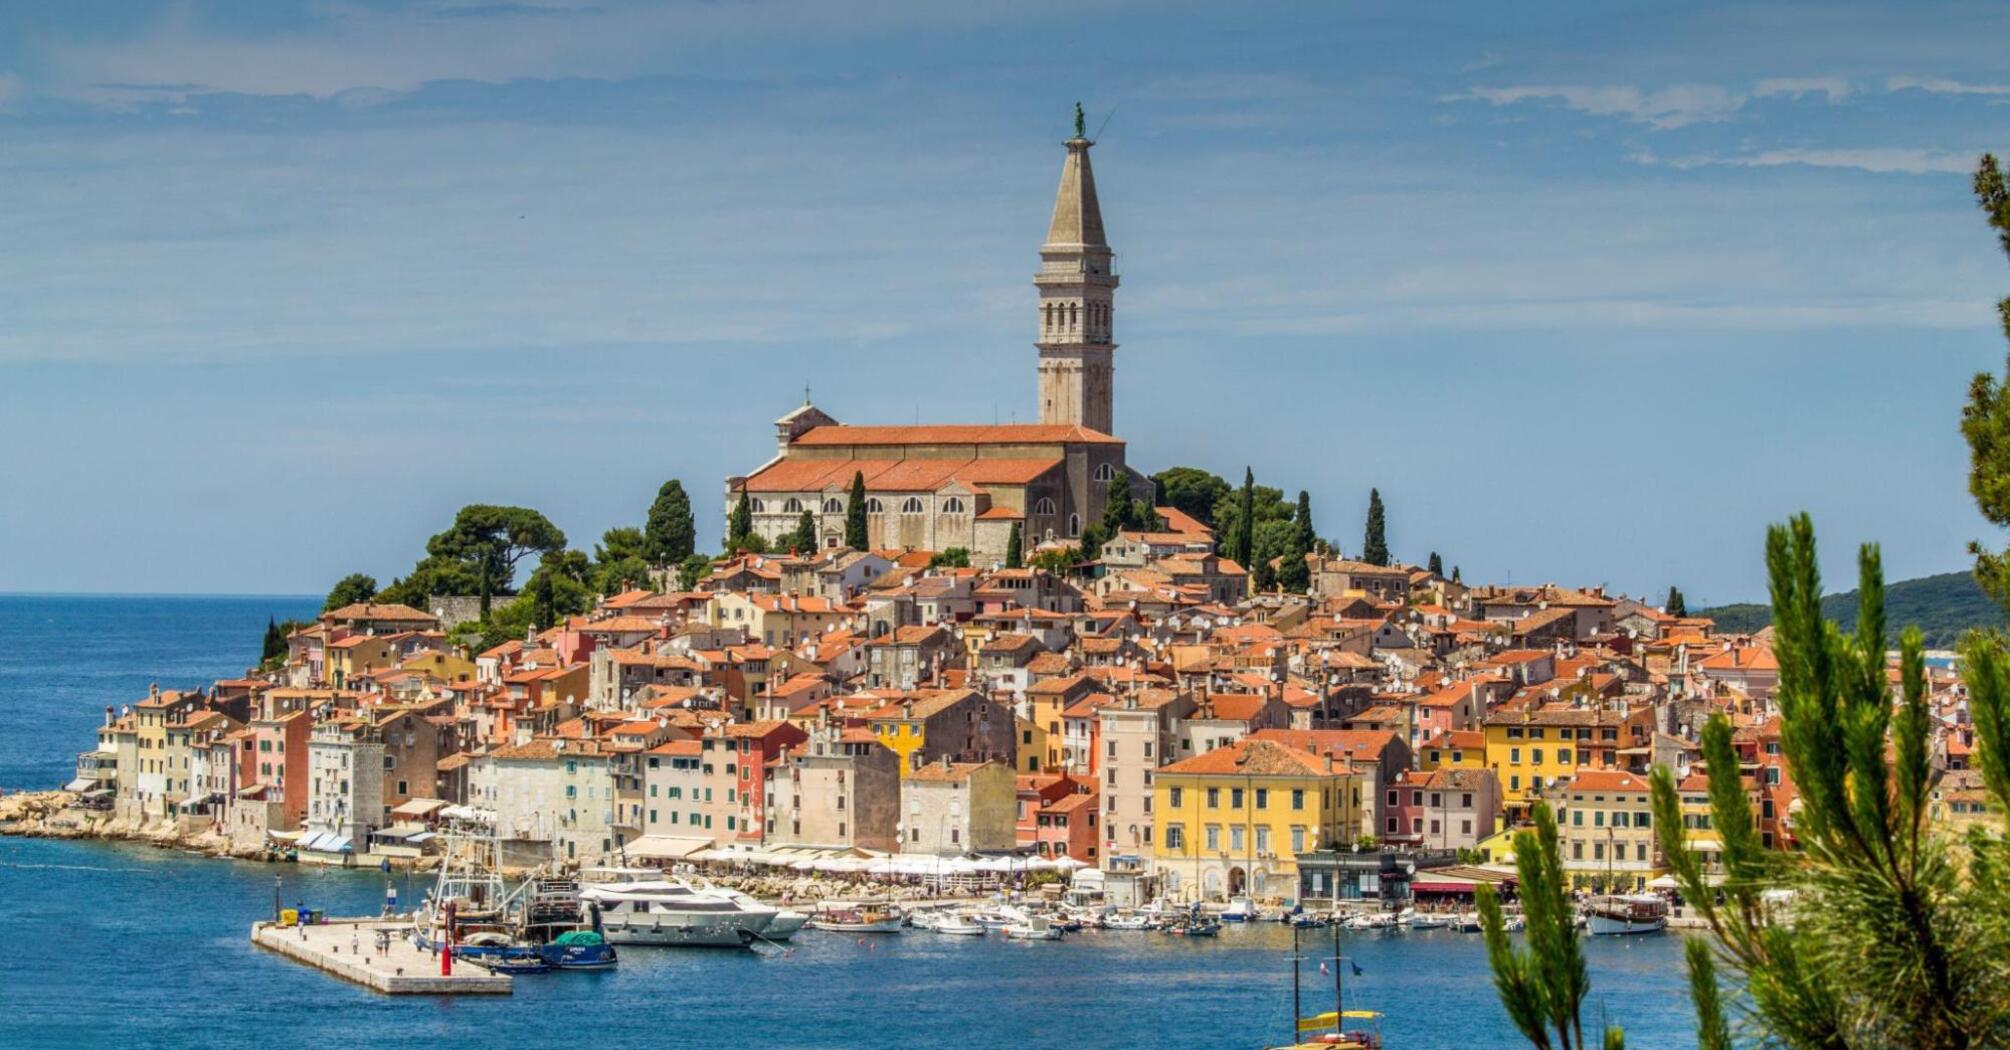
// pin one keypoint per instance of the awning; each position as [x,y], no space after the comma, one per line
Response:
[80,784]
[666,847]
[98,794]
[419,808]
[284,836]
[1442,887]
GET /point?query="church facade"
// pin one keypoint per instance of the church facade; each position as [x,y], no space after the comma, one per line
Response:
[937,487]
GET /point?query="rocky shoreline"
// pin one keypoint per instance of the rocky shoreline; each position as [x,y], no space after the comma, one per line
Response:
[56,815]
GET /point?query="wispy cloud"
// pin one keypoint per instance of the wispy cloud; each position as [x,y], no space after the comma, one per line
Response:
[1943,86]
[1879,160]
[1675,106]
[1835,89]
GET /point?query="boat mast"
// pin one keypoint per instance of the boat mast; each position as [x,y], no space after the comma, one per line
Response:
[1339,1007]
[1296,1010]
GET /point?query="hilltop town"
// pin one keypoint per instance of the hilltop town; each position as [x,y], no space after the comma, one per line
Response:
[995,643]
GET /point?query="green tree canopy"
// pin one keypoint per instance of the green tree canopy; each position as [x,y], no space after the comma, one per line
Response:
[669,533]
[492,540]
[619,561]
[1985,422]
[1015,549]
[432,575]
[1293,573]
[350,589]
[1676,605]
[1117,509]
[1193,491]
[953,558]
[1436,565]
[691,570]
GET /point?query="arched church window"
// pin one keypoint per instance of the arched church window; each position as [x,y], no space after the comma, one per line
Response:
[1074,524]
[833,506]
[757,506]
[874,506]
[1105,472]
[911,505]
[952,505]
[793,506]
[1045,506]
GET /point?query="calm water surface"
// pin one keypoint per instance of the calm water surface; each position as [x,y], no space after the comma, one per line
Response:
[128,946]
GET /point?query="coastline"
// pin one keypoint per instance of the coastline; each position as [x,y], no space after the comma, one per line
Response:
[56,815]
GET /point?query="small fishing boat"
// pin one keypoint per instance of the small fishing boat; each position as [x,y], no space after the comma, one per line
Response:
[1196,927]
[943,920]
[1033,928]
[1309,921]
[1241,909]
[1424,920]
[1373,920]
[858,918]
[1127,921]
[1626,915]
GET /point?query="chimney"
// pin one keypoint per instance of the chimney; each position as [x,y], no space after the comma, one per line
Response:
[108,714]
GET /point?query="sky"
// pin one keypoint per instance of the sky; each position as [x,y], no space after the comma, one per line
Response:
[1592,293]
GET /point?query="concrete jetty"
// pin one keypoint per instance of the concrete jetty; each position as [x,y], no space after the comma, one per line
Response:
[350,949]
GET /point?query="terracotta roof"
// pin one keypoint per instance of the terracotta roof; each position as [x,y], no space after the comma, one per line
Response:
[954,771]
[895,475]
[1608,780]
[1260,758]
[959,434]
[373,611]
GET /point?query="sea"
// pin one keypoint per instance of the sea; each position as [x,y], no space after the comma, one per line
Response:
[121,945]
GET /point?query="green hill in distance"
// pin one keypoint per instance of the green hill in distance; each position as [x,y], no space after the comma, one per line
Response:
[1943,606]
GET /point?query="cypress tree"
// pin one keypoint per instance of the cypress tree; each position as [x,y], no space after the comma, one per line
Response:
[854,513]
[1374,544]
[544,604]
[669,535]
[1015,551]
[1676,606]
[805,539]
[275,642]
[1093,539]
[1117,506]
[1293,574]
[741,524]
[1437,565]
[1245,521]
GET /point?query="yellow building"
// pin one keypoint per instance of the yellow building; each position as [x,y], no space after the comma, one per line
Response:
[355,656]
[1461,750]
[1606,832]
[1531,750]
[1232,821]
[451,668]
[780,619]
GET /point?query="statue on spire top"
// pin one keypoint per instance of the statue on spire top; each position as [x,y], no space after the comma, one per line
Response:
[1081,123]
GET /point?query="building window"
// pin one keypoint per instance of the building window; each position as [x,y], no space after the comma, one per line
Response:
[1173,796]
[912,505]
[757,506]
[793,506]
[1105,472]
[1213,799]
[1044,506]
[953,505]
[1074,524]
[1175,837]
[874,506]
[833,506]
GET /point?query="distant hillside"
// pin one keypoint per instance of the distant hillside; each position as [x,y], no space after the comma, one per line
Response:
[1943,606]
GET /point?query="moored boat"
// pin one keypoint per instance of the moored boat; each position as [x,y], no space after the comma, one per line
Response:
[1241,909]
[1626,915]
[1033,928]
[857,918]
[673,913]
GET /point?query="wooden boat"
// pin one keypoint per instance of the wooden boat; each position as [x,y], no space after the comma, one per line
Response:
[1626,915]
[1330,1029]
[864,918]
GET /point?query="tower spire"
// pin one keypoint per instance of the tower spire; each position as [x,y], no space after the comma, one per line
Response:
[1077,286]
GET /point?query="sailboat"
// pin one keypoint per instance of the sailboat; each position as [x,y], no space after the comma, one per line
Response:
[1329,1030]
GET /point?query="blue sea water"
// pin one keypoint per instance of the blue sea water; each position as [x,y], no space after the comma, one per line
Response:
[118,945]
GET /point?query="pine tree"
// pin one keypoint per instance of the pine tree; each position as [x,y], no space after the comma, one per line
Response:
[670,534]
[544,604]
[854,514]
[1455,575]
[1245,522]
[1093,539]
[1985,422]
[741,525]
[1436,565]
[1543,986]
[1375,544]
[1015,551]
[1675,605]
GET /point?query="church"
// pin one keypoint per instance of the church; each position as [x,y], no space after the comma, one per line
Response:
[959,485]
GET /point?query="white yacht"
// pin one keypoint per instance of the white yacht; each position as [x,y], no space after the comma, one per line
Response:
[674,913]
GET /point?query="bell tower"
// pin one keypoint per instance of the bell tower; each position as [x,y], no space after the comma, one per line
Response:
[1077,286]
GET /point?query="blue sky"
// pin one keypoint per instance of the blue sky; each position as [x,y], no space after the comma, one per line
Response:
[1591,292]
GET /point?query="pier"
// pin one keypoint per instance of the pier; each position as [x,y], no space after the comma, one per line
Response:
[350,949]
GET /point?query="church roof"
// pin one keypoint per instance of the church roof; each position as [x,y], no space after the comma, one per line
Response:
[1078,217]
[895,475]
[954,434]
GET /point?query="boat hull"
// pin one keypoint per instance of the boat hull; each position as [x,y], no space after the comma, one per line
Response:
[882,926]
[1609,926]
[660,931]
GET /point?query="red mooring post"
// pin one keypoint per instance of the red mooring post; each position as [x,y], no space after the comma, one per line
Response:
[447,947]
